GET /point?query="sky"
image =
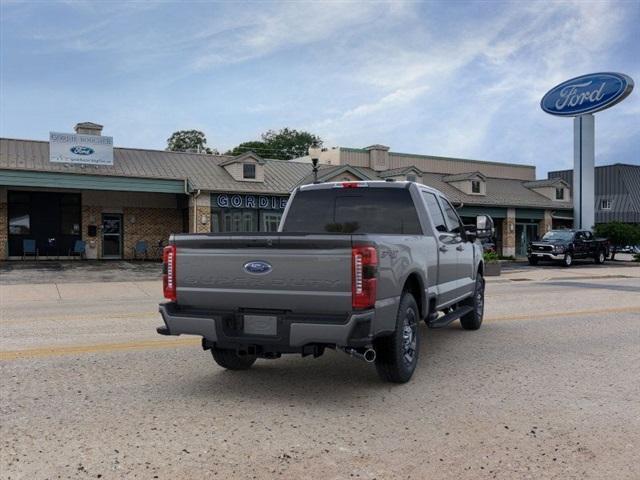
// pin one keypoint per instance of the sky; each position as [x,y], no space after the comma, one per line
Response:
[446,78]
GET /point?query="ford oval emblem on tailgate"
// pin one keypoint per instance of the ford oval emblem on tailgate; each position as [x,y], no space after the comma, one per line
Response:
[257,267]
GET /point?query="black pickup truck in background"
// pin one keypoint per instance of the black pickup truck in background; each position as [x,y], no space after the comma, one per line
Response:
[566,245]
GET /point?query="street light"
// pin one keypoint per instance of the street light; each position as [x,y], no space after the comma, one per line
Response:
[314,153]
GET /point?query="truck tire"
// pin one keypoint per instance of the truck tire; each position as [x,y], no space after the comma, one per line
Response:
[600,257]
[397,354]
[473,319]
[567,261]
[532,260]
[230,359]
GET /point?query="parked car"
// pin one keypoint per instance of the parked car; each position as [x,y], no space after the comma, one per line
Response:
[565,246]
[354,266]
[629,249]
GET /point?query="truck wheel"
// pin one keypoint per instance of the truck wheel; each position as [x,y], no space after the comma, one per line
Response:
[532,260]
[568,260]
[600,257]
[473,319]
[230,359]
[397,354]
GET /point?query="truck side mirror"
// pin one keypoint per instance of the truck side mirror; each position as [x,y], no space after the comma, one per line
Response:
[484,226]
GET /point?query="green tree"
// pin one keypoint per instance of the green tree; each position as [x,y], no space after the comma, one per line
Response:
[257,147]
[283,144]
[188,141]
[619,234]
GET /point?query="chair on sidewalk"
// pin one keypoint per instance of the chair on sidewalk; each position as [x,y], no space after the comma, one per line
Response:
[141,248]
[29,248]
[159,248]
[80,249]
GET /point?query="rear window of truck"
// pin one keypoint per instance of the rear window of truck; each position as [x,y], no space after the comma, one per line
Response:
[353,210]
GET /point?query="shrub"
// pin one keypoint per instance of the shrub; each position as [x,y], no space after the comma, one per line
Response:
[490,257]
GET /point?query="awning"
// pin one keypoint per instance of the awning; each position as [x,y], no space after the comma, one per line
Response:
[29,178]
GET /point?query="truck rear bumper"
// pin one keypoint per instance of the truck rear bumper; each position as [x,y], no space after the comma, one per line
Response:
[293,331]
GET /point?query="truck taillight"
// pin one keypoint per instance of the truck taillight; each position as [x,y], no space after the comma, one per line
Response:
[364,261]
[169,272]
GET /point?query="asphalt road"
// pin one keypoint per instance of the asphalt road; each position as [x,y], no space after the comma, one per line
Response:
[549,387]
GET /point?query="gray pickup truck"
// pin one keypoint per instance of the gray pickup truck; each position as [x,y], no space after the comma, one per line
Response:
[354,266]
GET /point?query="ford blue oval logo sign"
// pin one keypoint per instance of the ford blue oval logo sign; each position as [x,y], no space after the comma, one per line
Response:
[587,94]
[79,150]
[257,267]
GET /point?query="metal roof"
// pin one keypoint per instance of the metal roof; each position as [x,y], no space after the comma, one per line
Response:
[201,170]
[399,171]
[205,172]
[619,184]
[499,191]
[464,176]
[547,182]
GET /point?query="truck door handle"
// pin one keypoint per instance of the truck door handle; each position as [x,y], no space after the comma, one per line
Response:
[460,248]
[443,248]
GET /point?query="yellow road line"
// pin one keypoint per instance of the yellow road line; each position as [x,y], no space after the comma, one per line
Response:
[565,314]
[191,341]
[101,347]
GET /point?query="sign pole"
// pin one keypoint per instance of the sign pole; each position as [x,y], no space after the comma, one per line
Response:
[583,171]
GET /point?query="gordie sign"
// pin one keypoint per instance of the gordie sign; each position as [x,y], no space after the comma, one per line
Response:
[587,94]
[270,202]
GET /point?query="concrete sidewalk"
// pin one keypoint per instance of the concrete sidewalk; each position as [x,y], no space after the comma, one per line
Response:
[85,271]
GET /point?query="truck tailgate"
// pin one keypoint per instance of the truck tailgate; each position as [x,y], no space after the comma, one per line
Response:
[307,273]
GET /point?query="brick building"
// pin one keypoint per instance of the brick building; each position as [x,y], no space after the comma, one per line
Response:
[145,195]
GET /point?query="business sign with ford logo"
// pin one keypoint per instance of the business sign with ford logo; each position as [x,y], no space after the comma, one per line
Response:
[587,94]
[80,149]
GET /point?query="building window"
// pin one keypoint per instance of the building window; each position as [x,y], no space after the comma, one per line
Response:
[249,170]
[19,214]
[52,219]
[411,177]
[559,193]
[475,186]
[605,204]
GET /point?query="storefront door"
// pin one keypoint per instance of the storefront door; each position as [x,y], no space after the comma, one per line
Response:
[112,235]
[525,233]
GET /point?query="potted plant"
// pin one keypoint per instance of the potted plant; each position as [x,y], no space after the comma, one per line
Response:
[491,264]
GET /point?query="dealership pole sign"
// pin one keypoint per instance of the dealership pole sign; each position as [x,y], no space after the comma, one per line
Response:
[580,98]
[80,149]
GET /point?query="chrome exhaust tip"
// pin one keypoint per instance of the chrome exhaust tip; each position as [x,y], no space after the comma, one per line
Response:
[368,354]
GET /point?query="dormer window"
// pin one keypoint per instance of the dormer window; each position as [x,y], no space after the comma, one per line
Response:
[247,167]
[560,193]
[249,171]
[471,183]
[411,177]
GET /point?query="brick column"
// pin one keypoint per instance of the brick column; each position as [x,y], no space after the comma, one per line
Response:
[545,224]
[509,233]
[202,213]
[92,215]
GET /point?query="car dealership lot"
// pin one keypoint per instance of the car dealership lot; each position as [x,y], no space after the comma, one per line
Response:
[547,388]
